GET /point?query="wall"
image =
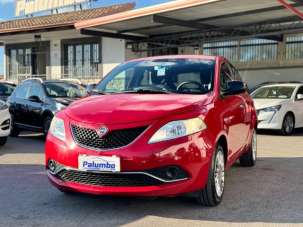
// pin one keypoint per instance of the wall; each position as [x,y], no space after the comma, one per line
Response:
[255,77]
[130,54]
[113,53]
[54,70]
[112,50]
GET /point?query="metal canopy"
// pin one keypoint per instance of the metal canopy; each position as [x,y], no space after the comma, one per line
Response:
[189,22]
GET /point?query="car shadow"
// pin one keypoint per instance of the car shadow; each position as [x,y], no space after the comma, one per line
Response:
[297,132]
[271,192]
[34,144]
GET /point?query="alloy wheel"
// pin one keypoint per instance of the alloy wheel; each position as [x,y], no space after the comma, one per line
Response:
[219,174]
[254,145]
[288,124]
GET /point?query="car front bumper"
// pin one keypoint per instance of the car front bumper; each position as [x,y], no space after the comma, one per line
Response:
[270,120]
[5,123]
[192,154]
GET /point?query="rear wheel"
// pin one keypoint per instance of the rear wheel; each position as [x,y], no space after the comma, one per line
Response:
[3,141]
[249,158]
[288,125]
[213,192]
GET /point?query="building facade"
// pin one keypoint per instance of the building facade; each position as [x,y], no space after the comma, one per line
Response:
[49,47]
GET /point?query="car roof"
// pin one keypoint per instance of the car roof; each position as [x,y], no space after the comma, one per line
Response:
[202,57]
[282,85]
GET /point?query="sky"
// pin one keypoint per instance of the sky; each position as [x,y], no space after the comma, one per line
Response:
[7,11]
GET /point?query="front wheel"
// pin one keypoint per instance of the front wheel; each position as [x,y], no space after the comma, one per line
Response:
[288,125]
[249,158]
[213,192]
[46,125]
[15,131]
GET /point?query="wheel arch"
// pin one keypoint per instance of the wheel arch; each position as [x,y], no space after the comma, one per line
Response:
[47,113]
[222,140]
[293,115]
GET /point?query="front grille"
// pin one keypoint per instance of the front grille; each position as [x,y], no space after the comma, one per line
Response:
[107,179]
[114,139]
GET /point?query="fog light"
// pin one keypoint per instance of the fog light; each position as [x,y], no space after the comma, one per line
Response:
[171,173]
[52,166]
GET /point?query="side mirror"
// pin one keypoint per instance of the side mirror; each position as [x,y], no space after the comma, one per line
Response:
[299,96]
[34,99]
[234,87]
[90,88]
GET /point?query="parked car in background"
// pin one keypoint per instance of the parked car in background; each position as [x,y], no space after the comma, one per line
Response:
[5,122]
[161,126]
[280,106]
[34,103]
[6,89]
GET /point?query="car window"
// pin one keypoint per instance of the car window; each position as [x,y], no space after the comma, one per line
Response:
[225,76]
[36,90]
[64,90]
[274,92]
[22,90]
[300,91]
[183,76]
[121,81]
[6,89]
[235,73]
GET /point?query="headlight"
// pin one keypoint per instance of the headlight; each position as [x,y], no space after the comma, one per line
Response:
[272,109]
[176,129]
[57,128]
[59,106]
[3,105]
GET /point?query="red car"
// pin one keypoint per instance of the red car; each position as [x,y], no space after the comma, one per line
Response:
[160,126]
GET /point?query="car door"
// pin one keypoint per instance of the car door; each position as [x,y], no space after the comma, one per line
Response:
[247,107]
[36,100]
[18,105]
[232,107]
[298,107]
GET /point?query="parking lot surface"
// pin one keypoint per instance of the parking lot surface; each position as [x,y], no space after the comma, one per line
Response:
[270,194]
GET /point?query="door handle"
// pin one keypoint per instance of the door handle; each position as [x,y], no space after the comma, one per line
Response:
[242,106]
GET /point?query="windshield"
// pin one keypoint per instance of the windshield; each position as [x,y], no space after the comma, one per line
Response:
[6,89]
[64,90]
[185,76]
[275,92]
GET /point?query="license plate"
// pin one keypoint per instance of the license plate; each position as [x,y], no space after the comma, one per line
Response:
[99,163]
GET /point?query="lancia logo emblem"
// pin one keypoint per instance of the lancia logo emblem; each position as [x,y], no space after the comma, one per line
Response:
[102,131]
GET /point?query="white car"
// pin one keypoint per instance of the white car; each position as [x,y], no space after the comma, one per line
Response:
[5,123]
[279,106]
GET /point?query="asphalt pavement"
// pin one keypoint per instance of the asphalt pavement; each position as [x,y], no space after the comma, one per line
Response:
[270,194]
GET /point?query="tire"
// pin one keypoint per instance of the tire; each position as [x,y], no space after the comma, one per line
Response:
[249,158]
[15,131]
[3,141]
[213,192]
[288,125]
[46,124]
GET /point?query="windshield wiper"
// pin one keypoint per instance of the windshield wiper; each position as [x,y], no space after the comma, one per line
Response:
[146,91]
[97,92]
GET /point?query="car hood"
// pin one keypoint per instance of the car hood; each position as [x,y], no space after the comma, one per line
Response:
[264,103]
[65,101]
[128,108]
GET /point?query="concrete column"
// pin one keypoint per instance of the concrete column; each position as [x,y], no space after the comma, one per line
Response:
[5,73]
[53,71]
[113,53]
